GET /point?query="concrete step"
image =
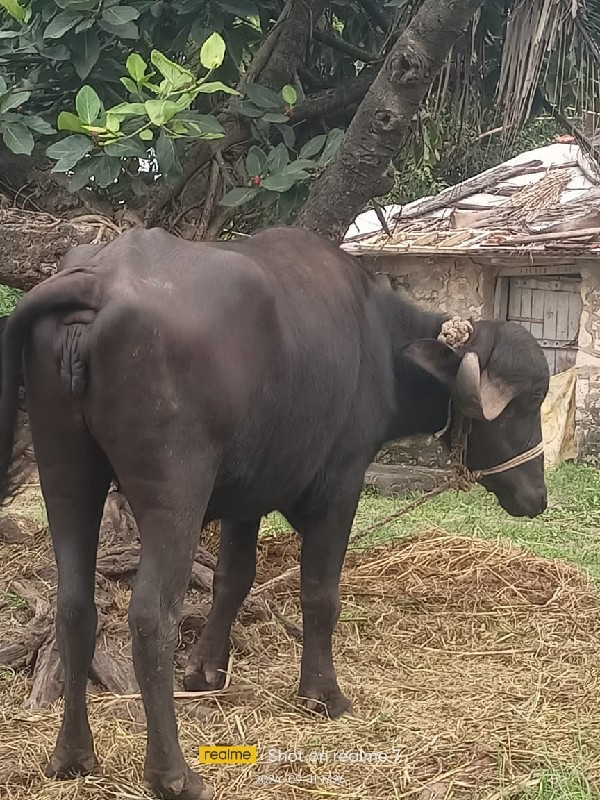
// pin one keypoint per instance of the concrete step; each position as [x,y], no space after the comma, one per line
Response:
[398,480]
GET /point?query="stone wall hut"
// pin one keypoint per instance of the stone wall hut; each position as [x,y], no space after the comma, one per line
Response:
[520,242]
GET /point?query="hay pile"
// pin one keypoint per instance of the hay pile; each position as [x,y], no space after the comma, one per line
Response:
[469,664]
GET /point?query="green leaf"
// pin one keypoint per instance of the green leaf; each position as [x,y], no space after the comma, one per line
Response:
[146,135]
[273,116]
[161,111]
[263,97]
[68,152]
[247,109]
[241,9]
[3,86]
[289,94]
[62,23]
[136,66]
[119,15]
[38,125]
[130,85]
[129,110]
[13,100]
[216,86]
[313,146]
[165,153]
[55,53]
[278,183]
[86,53]
[126,148]
[82,175]
[334,140]
[287,134]
[88,105]
[18,138]
[69,122]
[256,161]
[239,196]
[77,5]
[127,31]
[277,159]
[172,72]
[204,123]
[14,8]
[85,25]
[299,165]
[106,170]
[212,52]
[113,122]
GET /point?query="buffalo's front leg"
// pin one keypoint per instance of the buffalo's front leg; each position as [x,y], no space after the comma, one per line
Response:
[234,576]
[324,542]
[169,537]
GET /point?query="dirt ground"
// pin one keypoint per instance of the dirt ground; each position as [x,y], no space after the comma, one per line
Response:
[471,664]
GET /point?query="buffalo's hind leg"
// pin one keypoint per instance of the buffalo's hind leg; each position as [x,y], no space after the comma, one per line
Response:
[75,476]
[234,576]
[169,516]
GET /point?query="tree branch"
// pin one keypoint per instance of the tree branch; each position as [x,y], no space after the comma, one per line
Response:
[323,103]
[265,51]
[374,10]
[337,43]
[292,42]
[361,168]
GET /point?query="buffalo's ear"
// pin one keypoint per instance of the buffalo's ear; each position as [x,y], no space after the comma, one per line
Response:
[477,394]
[436,358]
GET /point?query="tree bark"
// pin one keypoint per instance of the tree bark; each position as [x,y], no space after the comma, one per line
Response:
[361,168]
[32,244]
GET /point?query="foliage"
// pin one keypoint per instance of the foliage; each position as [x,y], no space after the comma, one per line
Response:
[443,152]
[103,86]
[100,140]
[119,81]
[278,175]
[9,298]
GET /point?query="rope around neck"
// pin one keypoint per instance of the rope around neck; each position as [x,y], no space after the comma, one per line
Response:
[461,478]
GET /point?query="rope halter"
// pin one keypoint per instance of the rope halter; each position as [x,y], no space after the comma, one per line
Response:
[455,333]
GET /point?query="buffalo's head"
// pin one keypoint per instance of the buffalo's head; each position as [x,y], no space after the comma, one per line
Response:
[498,380]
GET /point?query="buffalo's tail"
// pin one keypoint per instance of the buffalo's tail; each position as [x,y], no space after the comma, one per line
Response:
[69,290]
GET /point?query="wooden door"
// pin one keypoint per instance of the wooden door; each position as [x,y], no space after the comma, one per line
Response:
[550,309]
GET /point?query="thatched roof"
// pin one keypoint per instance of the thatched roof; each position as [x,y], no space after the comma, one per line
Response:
[547,199]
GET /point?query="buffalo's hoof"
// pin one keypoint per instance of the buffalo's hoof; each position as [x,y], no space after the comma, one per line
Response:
[329,702]
[68,762]
[185,785]
[202,678]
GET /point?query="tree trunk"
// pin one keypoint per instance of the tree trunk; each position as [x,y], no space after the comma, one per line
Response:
[361,168]
[32,244]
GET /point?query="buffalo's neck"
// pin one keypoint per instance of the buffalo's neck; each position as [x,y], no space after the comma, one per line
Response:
[420,400]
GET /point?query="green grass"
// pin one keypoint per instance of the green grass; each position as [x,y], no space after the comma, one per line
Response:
[570,528]
[13,601]
[8,299]
[561,783]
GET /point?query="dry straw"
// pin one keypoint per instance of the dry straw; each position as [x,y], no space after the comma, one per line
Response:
[469,663]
